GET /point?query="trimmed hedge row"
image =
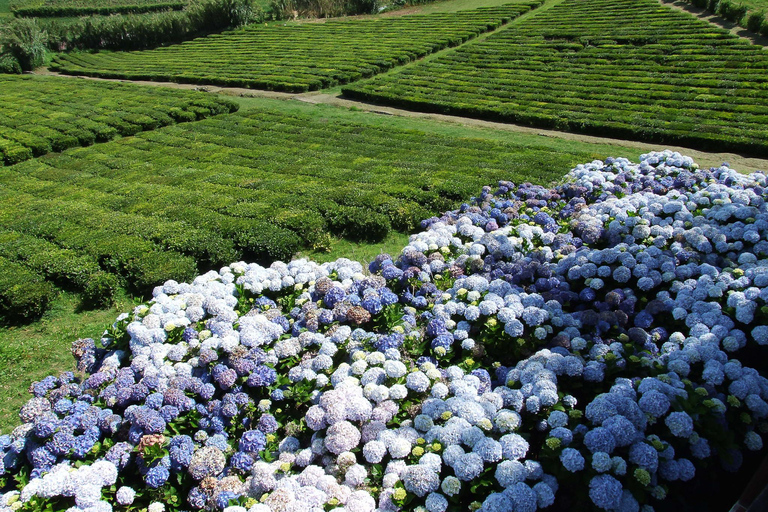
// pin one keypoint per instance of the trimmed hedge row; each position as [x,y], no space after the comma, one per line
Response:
[43,114]
[621,68]
[24,295]
[261,185]
[296,57]
[65,10]
[64,267]
[125,32]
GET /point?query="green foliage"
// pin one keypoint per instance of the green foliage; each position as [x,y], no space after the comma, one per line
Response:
[72,8]
[25,41]
[139,31]
[731,10]
[291,57]
[756,20]
[23,294]
[43,114]
[750,14]
[321,8]
[618,68]
[9,64]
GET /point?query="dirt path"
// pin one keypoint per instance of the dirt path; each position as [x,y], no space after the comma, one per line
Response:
[704,158]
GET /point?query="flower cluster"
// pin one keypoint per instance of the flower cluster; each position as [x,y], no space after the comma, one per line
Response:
[528,342]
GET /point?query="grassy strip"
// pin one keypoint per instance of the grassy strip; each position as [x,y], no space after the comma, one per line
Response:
[296,57]
[614,68]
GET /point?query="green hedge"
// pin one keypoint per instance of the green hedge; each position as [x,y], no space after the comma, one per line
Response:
[24,295]
[151,29]
[63,267]
[48,11]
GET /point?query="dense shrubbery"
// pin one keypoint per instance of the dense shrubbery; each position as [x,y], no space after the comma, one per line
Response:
[296,58]
[25,40]
[135,32]
[21,40]
[24,294]
[585,346]
[616,68]
[322,8]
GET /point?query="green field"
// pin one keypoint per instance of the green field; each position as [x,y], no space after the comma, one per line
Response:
[296,57]
[621,68]
[43,114]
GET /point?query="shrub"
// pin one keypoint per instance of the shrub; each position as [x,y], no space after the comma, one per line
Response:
[9,64]
[23,39]
[100,289]
[357,223]
[23,294]
[755,21]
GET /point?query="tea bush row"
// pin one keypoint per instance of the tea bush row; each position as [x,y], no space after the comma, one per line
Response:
[619,68]
[70,8]
[61,266]
[43,114]
[262,185]
[23,293]
[296,57]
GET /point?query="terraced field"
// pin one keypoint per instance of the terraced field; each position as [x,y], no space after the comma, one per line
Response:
[296,57]
[43,114]
[622,68]
[257,185]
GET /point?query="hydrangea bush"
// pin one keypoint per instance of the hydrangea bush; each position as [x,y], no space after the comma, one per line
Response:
[580,342]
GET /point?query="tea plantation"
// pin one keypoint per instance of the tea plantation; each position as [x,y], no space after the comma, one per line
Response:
[622,68]
[169,203]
